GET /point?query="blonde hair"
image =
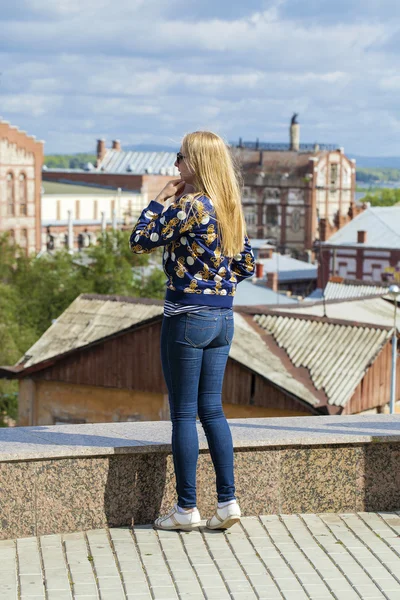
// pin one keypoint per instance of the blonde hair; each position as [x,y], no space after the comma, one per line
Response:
[216,177]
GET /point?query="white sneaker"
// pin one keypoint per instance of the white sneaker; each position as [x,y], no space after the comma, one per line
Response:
[177,520]
[225,517]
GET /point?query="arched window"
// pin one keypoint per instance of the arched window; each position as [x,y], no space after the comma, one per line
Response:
[22,195]
[10,195]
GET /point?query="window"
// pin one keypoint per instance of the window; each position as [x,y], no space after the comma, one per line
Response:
[272,215]
[77,210]
[95,210]
[334,174]
[22,195]
[296,221]
[23,240]
[10,195]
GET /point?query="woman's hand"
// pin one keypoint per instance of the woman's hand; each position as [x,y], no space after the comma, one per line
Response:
[173,188]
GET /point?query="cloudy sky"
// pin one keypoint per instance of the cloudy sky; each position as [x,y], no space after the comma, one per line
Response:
[148,71]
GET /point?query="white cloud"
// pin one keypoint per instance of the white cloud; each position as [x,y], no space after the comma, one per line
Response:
[148,71]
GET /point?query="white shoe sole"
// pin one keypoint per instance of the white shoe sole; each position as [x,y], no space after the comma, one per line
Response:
[178,527]
[232,520]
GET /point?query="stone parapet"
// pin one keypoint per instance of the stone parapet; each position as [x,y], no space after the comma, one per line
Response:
[78,477]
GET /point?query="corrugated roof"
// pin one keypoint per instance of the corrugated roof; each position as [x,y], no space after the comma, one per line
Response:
[88,320]
[336,356]
[139,163]
[249,349]
[371,311]
[339,291]
[382,225]
[92,318]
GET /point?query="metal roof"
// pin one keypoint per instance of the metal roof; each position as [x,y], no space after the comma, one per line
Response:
[339,291]
[249,294]
[288,268]
[336,356]
[382,225]
[139,163]
[371,311]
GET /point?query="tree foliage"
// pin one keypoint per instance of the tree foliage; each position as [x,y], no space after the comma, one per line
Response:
[69,161]
[36,290]
[383,197]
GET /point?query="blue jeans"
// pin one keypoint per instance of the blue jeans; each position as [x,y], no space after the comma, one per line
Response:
[194,353]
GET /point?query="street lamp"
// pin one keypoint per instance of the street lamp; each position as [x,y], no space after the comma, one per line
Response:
[394,292]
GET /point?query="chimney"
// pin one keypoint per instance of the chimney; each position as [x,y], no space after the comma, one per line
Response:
[294,134]
[259,270]
[116,145]
[361,237]
[322,230]
[272,281]
[101,150]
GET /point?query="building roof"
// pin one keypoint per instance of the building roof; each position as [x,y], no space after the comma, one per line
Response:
[372,311]
[57,188]
[347,290]
[139,163]
[93,318]
[88,319]
[292,164]
[288,268]
[336,355]
[382,225]
[249,294]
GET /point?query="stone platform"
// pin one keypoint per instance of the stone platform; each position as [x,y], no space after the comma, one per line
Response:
[292,557]
[82,477]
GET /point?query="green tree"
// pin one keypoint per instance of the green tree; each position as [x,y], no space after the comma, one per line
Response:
[383,197]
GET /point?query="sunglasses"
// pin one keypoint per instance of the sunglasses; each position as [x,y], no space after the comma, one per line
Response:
[179,157]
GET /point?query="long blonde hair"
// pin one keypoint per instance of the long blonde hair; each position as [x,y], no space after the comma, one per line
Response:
[216,176]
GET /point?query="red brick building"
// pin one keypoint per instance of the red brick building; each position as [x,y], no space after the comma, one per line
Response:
[292,190]
[366,249]
[21,160]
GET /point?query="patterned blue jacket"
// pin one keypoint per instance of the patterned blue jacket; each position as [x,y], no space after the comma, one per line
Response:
[197,271]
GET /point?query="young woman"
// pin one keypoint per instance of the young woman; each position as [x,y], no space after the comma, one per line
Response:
[206,254]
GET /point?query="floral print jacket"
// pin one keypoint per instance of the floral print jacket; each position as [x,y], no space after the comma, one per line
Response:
[197,271]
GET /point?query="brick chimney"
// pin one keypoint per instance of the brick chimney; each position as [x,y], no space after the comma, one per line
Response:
[272,281]
[259,270]
[101,150]
[116,145]
[294,134]
[361,237]
[322,230]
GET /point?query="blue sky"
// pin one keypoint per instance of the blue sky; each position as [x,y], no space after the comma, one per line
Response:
[148,71]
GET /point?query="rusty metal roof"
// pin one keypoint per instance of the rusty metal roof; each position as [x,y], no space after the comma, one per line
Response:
[336,355]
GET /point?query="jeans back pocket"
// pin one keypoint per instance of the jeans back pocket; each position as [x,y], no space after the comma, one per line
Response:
[200,330]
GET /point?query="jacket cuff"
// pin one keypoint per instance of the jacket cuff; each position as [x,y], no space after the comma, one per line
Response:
[155,207]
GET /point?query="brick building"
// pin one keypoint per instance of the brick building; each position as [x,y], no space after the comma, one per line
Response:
[292,190]
[367,249]
[21,159]
[142,172]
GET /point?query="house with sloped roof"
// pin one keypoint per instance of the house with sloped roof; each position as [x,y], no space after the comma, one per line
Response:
[99,362]
[366,249]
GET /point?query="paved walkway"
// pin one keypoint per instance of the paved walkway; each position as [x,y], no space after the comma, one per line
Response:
[295,557]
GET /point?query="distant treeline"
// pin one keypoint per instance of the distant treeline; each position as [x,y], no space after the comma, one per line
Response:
[69,161]
[383,197]
[377,175]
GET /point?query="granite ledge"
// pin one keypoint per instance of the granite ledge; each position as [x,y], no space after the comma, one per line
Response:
[104,439]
